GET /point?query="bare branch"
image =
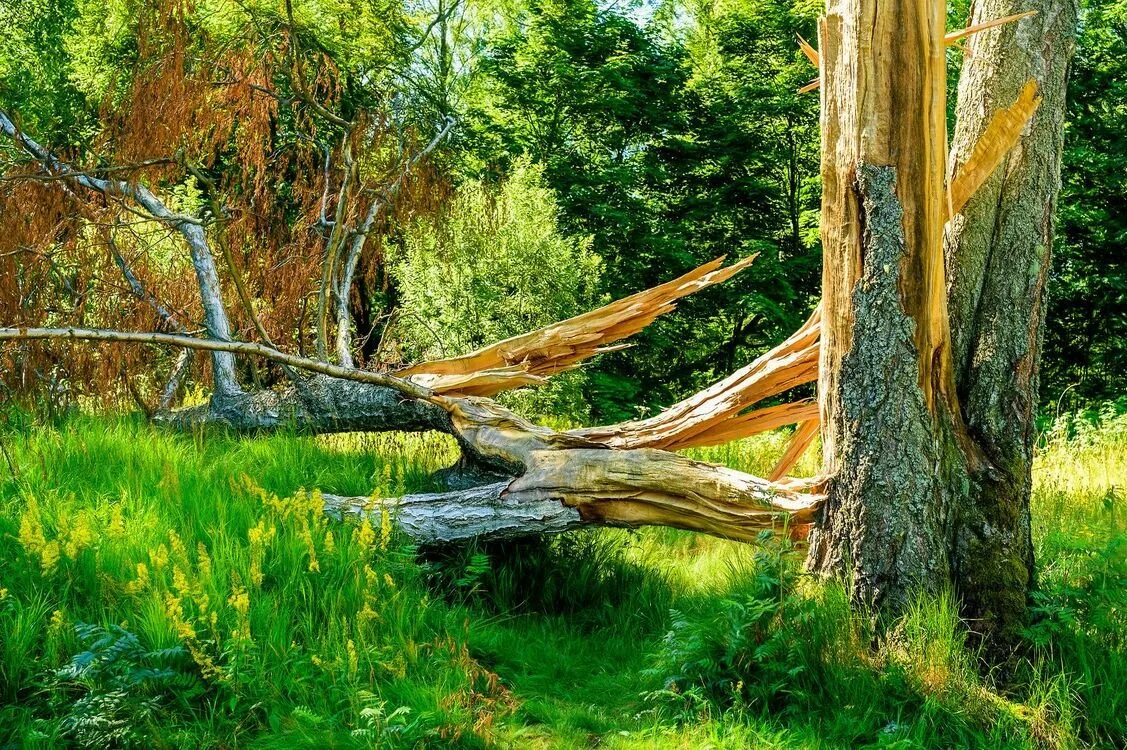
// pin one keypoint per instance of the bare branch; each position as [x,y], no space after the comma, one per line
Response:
[135,287]
[215,314]
[405,387]
[179,370]
[360,237]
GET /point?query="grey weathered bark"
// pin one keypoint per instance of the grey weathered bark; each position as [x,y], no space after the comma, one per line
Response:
[324,405]
[998,254]
[482,512]
[927,435]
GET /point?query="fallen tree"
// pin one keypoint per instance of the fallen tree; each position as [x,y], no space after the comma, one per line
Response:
[550,481]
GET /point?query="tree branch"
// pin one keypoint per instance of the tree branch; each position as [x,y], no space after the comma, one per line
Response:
[360,237]
[215,314]
[406,387]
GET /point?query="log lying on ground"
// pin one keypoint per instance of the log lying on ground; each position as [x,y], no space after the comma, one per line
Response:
[323,405]
[559,481]
[568,489]
[530,479]
[553,481]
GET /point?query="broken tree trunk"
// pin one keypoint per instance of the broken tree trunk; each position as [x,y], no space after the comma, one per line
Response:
[886,386]
[519,479]
[557,482]
[905,473]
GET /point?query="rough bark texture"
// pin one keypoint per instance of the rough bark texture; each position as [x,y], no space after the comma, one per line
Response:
[323,405]
[928,433]
[885,382]
[998,260]
[885,523]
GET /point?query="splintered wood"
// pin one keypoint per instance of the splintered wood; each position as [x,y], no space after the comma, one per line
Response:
[649,487]
[1000,136]
[713,416]
[559,472]
[530,358]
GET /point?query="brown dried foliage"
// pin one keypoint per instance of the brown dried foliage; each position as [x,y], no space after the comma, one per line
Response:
[184,108]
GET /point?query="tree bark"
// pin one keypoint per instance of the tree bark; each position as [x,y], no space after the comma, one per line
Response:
[998,256]
[887,394]
[928,433]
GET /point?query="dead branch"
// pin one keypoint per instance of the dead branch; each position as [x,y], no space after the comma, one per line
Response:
[207,277]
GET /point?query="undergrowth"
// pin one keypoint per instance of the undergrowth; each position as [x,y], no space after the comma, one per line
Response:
[161,590]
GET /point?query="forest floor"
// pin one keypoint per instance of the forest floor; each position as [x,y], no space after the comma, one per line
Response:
[167,591]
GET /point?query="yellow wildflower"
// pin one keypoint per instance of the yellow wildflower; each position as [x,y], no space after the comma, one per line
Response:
[180,581]
[206,664]
[261,534]
[174,610]
[159,557]
[49,556]
[31,527]
[330,545]
[177,545]
[116,528]
[367,614]
[204,560]
[385,527]
[389,580]
[58,621]
[317,507]
[141,582]
[240,601]
[353,657]
[386,483]
[3,594]
[365,535]
[34,540]
[307,535]
[80,536]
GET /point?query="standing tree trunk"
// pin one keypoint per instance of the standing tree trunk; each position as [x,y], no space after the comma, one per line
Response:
[998,261]
[927,433]
[888,403]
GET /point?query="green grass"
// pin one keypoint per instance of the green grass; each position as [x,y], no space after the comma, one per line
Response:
[260,624]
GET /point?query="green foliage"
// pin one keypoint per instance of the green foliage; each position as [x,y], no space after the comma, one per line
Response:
[492,265]
[119,686]
[743,652]
[669,134]
[553,643]
[587,577]
[1086,332]
[671,143]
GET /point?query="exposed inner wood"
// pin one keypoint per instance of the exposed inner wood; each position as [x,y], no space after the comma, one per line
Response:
[531,357]
[999,138]
[713,416]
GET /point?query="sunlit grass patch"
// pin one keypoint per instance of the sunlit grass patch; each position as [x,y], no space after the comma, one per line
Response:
[280,628]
